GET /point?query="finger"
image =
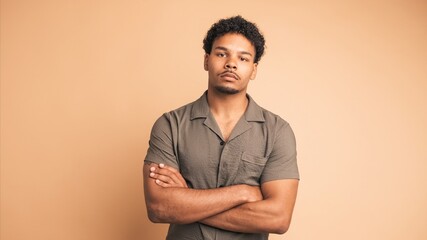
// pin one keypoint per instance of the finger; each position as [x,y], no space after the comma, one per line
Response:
[163,171]
[163,166]
[166,167]
[170,179]
[174,176]
[166,184]
[166,179]
[160,183]
[178,177]
[153,175]
[166,172]
[171,172]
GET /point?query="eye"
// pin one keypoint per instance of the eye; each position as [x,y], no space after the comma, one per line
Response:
[244,59]
[221,54]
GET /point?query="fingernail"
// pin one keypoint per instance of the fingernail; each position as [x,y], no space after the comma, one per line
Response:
[161,165]
[151,174]
[152,169]
[157,181]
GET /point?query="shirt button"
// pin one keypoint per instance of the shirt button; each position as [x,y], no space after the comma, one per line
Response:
[222,143]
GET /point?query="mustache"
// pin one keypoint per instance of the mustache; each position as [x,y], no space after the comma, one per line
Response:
[229,73]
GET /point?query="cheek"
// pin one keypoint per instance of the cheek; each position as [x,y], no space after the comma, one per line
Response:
[253,74]
[248,71]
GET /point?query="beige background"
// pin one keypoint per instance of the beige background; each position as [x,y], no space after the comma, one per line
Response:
[83,81]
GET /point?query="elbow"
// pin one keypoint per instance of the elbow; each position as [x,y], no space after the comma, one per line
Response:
[156,214]
[281,230]
[153,218]
[280,226]
[153,214]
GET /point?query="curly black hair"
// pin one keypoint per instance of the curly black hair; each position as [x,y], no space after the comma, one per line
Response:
[238,25]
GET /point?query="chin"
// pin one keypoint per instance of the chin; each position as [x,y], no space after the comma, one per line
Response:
[226,90]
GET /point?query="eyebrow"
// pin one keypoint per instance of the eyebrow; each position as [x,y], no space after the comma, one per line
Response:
[225,49]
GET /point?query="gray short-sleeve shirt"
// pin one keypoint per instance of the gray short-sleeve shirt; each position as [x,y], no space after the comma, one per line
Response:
[260,148]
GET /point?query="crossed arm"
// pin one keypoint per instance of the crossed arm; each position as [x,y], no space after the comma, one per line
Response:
[239,208]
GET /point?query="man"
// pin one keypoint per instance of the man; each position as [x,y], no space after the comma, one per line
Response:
[222,167]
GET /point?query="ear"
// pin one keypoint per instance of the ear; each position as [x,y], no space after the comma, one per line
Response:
[206,61]
[254,71]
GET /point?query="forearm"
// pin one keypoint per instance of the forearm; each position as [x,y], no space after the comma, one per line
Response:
[272,214]
[183,205]
[255,217]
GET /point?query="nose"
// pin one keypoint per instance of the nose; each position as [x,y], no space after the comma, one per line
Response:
[231,65]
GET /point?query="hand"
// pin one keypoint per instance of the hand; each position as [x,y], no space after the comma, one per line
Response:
[166,176]
[254,193]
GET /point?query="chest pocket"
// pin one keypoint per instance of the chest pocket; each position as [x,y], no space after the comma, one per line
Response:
[250,169]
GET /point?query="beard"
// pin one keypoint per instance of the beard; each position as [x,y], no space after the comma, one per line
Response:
[226,90]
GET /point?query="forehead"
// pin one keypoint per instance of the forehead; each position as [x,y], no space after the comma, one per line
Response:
[234,42]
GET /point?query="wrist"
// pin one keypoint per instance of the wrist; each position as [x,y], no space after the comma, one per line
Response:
[243,193]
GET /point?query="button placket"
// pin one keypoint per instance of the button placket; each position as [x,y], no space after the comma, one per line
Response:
[222,171]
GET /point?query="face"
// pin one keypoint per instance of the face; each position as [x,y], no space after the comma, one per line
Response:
[230,64]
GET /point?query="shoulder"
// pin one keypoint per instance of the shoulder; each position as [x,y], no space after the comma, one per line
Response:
[275,125]
[179,114]
[273,118]
[261,114]
[274,122]
[174,117]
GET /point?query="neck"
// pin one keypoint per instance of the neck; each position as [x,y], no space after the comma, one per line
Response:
[226,105]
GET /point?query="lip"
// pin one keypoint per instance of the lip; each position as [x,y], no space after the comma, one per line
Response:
[229,75]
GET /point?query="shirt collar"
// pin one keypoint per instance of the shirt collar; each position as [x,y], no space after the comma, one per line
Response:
[200,109]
